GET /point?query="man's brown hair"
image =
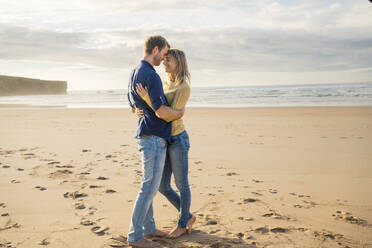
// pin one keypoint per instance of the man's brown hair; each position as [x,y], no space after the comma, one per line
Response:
[153,41]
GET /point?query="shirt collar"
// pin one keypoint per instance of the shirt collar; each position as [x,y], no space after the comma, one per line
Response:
[144,62]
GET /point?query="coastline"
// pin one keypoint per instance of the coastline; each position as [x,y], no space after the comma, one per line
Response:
[298,165]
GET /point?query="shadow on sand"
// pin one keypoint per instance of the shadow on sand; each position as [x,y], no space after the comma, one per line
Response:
[198,239]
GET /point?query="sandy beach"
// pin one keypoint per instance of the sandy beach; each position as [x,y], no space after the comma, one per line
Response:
[260,177]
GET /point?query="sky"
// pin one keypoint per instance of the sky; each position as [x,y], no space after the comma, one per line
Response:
[94,44]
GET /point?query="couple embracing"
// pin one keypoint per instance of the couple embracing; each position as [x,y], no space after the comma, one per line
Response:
[162,139]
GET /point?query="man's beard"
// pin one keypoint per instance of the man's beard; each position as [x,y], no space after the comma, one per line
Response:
[157,60]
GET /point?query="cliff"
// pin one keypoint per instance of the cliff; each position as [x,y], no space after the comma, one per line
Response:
[14,86]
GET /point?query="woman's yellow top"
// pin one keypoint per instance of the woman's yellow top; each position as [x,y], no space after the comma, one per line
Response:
[177,95]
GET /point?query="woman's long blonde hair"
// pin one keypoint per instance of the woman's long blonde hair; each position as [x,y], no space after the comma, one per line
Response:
[182,72]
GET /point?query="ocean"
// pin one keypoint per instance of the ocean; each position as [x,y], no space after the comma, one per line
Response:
[221,97]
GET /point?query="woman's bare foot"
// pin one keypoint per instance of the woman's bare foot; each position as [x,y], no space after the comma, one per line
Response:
[190,223]
[177,232]
[143,243]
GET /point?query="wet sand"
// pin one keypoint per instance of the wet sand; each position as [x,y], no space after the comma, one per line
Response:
[260,177]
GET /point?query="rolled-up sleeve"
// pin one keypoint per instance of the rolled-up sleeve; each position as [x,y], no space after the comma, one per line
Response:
[156,92]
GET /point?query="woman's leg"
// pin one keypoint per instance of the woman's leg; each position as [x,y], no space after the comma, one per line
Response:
[165,187]
[178,160]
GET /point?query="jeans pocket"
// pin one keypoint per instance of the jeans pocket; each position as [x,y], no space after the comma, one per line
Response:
[185,142]
[145,143]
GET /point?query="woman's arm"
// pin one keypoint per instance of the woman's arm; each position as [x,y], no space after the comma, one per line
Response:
[144,94]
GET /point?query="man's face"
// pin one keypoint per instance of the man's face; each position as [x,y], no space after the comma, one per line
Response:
[160,55]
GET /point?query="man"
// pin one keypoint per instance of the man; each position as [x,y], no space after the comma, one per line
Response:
[152,133]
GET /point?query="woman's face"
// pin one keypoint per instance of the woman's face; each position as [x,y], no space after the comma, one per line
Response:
[170,64]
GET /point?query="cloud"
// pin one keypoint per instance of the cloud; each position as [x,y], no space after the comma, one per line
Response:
[145,5]
[219,48]
[317,35]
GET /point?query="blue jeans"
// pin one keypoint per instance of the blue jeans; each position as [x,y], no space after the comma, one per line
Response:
[176,162]
[153,150]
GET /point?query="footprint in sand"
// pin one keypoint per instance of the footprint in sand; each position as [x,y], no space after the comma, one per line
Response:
[54,162]
[74,195]
[100,231]
[102,178]
[249,200]
[4,215]
[350,218]
[110,191]
[64,166]
[9,226]
[94,186]
[257,181]
[215,231]
[256,193]
[84,173]
[79,205]
[277,216]
[6,166]
[262,230]
[86,222]
[86,150]
[117,242]
[239,235]
[14,181]
[280,230]
[229,174]
[273,191]
[44,242]
[41,188]
[29,154]
[310,203]
[20,169]
[92,210]
[6,244]
[327,235]
[211,222]
[60,173]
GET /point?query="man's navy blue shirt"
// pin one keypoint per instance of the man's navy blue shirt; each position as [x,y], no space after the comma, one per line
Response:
[149,124]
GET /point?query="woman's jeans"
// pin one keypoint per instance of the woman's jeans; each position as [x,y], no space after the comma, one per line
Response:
[176,162]
[153,150]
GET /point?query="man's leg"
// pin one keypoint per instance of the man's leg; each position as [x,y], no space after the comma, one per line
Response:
[150,184]
[149,222]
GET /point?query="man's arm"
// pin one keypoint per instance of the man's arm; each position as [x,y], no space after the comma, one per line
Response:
[168,114]
[163,112]
[159,102]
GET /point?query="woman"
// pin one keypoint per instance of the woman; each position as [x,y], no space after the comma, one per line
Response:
[177,92]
